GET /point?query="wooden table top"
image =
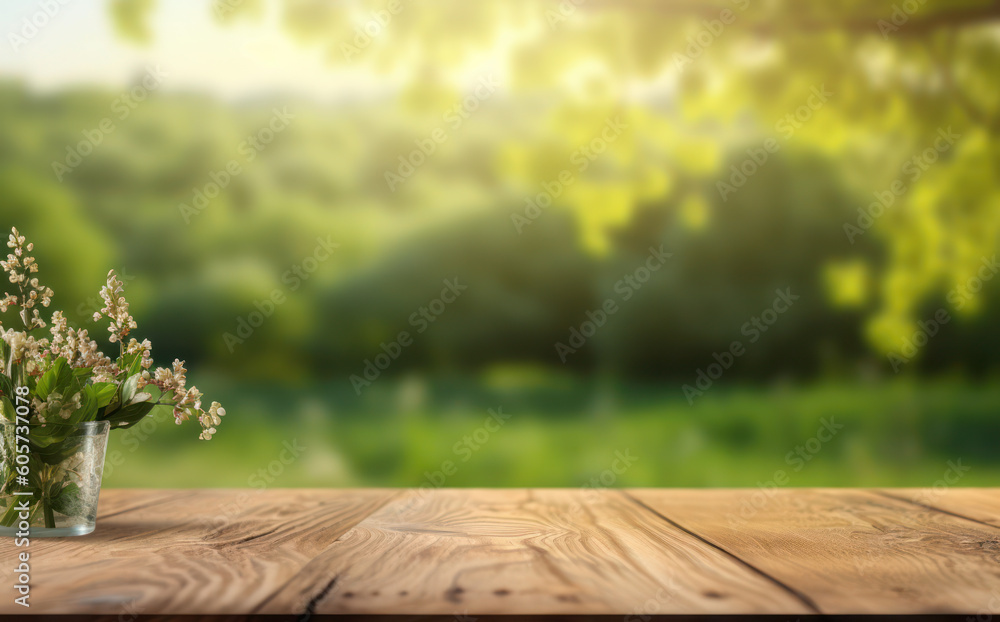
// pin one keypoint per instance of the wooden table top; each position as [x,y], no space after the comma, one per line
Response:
[516,551]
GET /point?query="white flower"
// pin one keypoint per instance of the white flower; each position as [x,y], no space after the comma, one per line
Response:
[115,309]
[34,357]
[31,292]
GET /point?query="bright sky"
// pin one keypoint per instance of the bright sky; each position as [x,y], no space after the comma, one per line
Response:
[78,45]
[253,57]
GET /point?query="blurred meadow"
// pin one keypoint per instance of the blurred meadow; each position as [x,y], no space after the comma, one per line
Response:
[528,243]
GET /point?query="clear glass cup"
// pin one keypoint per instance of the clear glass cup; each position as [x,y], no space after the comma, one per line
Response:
[59,481]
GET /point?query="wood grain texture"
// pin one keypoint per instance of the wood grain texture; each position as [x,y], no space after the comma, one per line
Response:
[111,504]
[206,551]
[478,552]
[482,552]
[978,504]
[850,551]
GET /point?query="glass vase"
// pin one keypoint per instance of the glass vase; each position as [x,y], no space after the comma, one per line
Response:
[51,478]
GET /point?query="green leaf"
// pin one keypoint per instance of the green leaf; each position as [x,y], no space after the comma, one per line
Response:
[83,374]
[141,397]
[41,435]
[67,501]
[34,471]
[104,392]
[129,387]
[135,365]
[58,452]
[6,385]
[130,415]
[88,406]
[130,364]
[56,380]
[46,438]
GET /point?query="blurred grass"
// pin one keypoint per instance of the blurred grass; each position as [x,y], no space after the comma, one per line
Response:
[896,434]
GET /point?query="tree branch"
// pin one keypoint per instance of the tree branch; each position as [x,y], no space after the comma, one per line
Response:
[918,23]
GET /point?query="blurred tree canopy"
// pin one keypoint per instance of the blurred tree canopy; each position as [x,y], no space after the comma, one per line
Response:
[190,280]
[899,74]
[809,218]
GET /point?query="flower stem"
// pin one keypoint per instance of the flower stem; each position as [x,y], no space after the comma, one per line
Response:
[50,518]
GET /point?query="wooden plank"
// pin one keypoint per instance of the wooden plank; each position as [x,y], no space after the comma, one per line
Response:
[978,504]
[530,552]
[112,502]
[118,501]
[209,552]
[482,552]
[850,551]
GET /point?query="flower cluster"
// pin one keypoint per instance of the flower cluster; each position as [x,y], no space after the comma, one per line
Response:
[28,358]
[79,350]
[19,267]
[115,309]
[142,348]
[56,405]
[23,349]
[187,399]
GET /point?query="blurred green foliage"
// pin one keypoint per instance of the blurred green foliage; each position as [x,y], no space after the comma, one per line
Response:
[692,115]
[193,277]
[567,434]
[898,75]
